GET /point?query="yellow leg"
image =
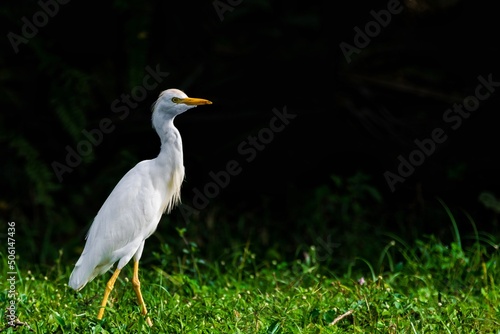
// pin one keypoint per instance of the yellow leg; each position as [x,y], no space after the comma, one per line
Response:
[137,288]
[109,287]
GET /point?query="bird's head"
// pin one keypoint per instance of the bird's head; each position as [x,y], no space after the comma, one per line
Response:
[173,102]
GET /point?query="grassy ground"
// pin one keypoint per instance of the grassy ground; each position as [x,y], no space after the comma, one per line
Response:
[432,288]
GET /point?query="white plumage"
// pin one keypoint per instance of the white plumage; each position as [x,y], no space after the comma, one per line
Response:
[132,211]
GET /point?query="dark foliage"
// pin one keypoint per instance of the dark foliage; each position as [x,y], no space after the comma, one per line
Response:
[355,116]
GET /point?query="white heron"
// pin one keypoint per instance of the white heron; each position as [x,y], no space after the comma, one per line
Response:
[133,210]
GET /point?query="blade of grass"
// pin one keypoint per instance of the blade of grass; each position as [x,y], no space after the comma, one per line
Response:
[453,222]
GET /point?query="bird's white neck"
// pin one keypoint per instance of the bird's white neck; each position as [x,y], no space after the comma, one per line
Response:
[170,162]
[171,142]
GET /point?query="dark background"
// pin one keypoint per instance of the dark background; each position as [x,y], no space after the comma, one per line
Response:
[322,176]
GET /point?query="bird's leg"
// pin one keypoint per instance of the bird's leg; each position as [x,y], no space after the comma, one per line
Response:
[137,288]
[109,287]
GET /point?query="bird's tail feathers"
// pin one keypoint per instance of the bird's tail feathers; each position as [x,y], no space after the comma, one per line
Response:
[85,272]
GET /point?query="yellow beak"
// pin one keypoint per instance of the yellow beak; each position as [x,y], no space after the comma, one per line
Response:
[194,101]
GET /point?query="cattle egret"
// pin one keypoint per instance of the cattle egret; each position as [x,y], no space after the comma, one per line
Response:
[133,210]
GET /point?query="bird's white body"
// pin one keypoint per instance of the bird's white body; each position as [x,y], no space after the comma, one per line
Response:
[132,211]
[137,202]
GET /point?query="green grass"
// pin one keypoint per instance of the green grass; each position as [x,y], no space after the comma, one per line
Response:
[428,287]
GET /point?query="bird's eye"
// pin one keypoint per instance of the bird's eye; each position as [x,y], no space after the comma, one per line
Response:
[176,100]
